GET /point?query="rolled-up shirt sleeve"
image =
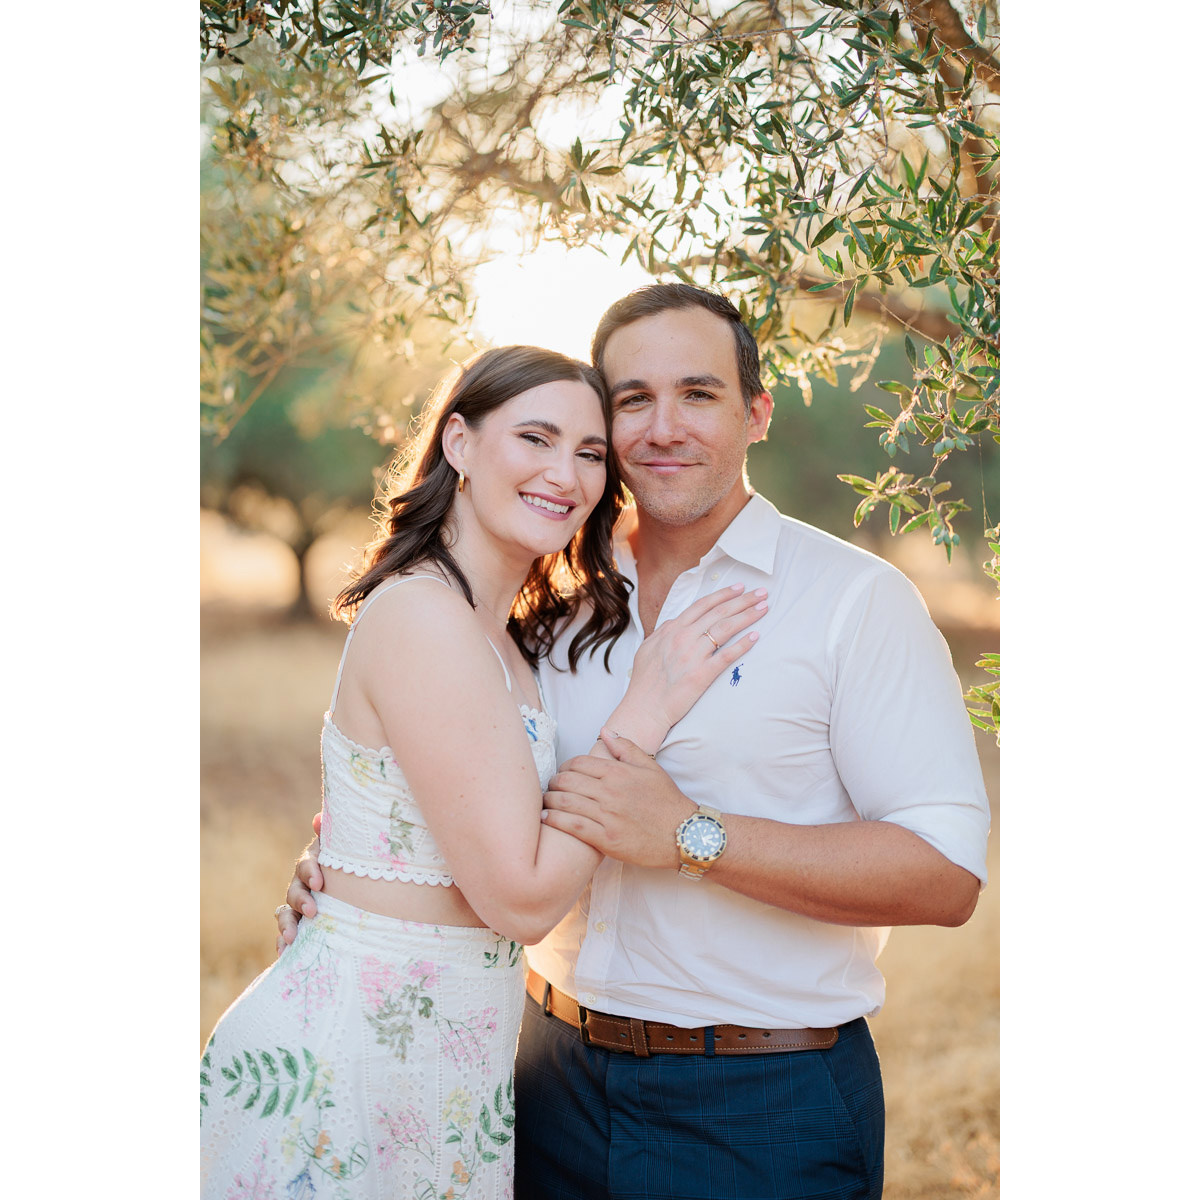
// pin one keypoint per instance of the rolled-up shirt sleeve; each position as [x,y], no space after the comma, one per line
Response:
[899,731]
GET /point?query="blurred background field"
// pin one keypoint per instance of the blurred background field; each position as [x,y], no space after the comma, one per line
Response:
[265,677]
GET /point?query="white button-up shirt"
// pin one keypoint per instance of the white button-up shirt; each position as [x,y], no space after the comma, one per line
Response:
[848,708]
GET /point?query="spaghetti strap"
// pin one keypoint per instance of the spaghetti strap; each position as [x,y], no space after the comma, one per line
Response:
[362,608]
[503,666]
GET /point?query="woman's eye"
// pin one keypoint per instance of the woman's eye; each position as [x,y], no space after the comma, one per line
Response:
[591,456]
[535,438]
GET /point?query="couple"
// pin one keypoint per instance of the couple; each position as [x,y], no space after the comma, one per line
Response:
[694,1023]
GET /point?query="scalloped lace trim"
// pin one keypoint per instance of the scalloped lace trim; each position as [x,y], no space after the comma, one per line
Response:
[349,741]
[401,875]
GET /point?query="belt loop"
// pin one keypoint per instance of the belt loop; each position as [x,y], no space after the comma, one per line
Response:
[546,999]
[584,1035]
[637,1030]
[710,1048]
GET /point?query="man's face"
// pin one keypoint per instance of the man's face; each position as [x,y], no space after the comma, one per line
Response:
[680,426]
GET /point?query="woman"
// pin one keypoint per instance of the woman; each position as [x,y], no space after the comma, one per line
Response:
[374,1059]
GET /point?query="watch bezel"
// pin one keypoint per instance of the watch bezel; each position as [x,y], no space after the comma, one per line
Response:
[686,852]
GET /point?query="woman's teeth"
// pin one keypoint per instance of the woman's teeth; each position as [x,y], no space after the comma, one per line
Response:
[538,502]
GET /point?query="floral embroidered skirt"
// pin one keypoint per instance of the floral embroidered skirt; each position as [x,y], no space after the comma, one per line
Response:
[373,1060]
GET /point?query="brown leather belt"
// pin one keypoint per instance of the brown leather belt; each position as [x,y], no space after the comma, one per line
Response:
[644,1038]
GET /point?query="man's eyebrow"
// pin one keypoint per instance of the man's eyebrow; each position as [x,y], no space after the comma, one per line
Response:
[640,385]
[629,385]
[590,439]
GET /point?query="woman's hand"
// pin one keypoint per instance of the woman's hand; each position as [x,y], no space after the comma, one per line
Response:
[676,663]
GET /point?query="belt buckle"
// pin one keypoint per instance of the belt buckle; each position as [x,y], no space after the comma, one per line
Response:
[584,1036]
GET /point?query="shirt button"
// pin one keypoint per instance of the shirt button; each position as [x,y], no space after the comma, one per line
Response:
[629,673]
[588,997]
[715,575]
[601,926]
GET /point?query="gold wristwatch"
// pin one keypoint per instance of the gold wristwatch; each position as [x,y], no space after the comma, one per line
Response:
[701,841]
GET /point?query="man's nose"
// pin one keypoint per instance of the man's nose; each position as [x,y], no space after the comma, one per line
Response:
[665,426]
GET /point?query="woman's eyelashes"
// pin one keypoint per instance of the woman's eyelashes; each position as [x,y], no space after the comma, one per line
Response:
[587,453]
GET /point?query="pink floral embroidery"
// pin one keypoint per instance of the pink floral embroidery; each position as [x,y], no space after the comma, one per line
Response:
[466,1042]
[313,977]
[387,850]
[259,1186]
[400,1131]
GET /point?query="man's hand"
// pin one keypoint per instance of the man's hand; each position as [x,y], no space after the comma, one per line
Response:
[306,880]
[627,807]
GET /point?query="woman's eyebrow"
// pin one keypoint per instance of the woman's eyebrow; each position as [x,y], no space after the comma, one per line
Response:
[539,423]
[591,439]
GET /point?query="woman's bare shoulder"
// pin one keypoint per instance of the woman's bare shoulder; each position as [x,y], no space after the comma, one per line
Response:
[420,614]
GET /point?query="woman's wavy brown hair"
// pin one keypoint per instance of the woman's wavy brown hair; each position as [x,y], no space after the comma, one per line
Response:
[418,492]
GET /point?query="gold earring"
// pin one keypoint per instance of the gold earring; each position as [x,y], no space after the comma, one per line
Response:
[462,480]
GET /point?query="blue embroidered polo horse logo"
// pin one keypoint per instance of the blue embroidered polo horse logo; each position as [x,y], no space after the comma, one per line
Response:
[531,726]
[736,677]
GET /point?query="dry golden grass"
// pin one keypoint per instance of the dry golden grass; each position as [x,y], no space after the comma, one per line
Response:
[263,689]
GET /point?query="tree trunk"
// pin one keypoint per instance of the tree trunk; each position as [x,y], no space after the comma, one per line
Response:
[303,608]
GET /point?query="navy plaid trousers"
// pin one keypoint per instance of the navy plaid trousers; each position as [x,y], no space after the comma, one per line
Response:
[594,1124]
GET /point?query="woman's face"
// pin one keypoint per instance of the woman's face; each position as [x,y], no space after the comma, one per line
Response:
[536,466]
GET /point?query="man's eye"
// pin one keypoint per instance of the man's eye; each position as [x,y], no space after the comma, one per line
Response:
[700,395]
[626,401]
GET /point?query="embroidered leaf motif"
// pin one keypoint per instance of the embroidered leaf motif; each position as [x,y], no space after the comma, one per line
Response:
[315,1083]
[205,1081]
[400,832]
[505,952]
[498,1136]
[393,1019]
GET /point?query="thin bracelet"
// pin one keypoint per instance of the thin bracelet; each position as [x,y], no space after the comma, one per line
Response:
[616,734]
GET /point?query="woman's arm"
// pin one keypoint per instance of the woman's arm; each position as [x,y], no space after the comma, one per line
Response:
[422,662]
[505,877]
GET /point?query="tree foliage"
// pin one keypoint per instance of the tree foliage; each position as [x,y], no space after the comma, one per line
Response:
[832,166]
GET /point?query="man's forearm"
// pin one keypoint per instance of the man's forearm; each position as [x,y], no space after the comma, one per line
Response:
[851,873]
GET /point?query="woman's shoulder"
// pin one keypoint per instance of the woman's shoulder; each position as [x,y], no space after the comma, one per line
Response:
[412,595]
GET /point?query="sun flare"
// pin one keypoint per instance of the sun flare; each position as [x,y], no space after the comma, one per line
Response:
[552,297]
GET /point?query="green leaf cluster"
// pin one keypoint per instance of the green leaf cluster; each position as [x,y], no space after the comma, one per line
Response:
[833,166]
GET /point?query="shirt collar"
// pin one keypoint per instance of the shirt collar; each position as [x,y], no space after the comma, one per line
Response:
[750,538]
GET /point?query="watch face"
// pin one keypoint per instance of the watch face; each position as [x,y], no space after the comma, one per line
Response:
[702,838]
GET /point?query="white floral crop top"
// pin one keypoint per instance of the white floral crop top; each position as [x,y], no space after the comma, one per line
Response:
[370,822]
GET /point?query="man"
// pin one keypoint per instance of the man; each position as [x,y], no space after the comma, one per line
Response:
[695,1026]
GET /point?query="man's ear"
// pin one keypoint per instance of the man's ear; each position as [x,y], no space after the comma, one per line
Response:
[454,441]
[759,420]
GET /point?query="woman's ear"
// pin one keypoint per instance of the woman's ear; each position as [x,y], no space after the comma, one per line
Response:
[454,441]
